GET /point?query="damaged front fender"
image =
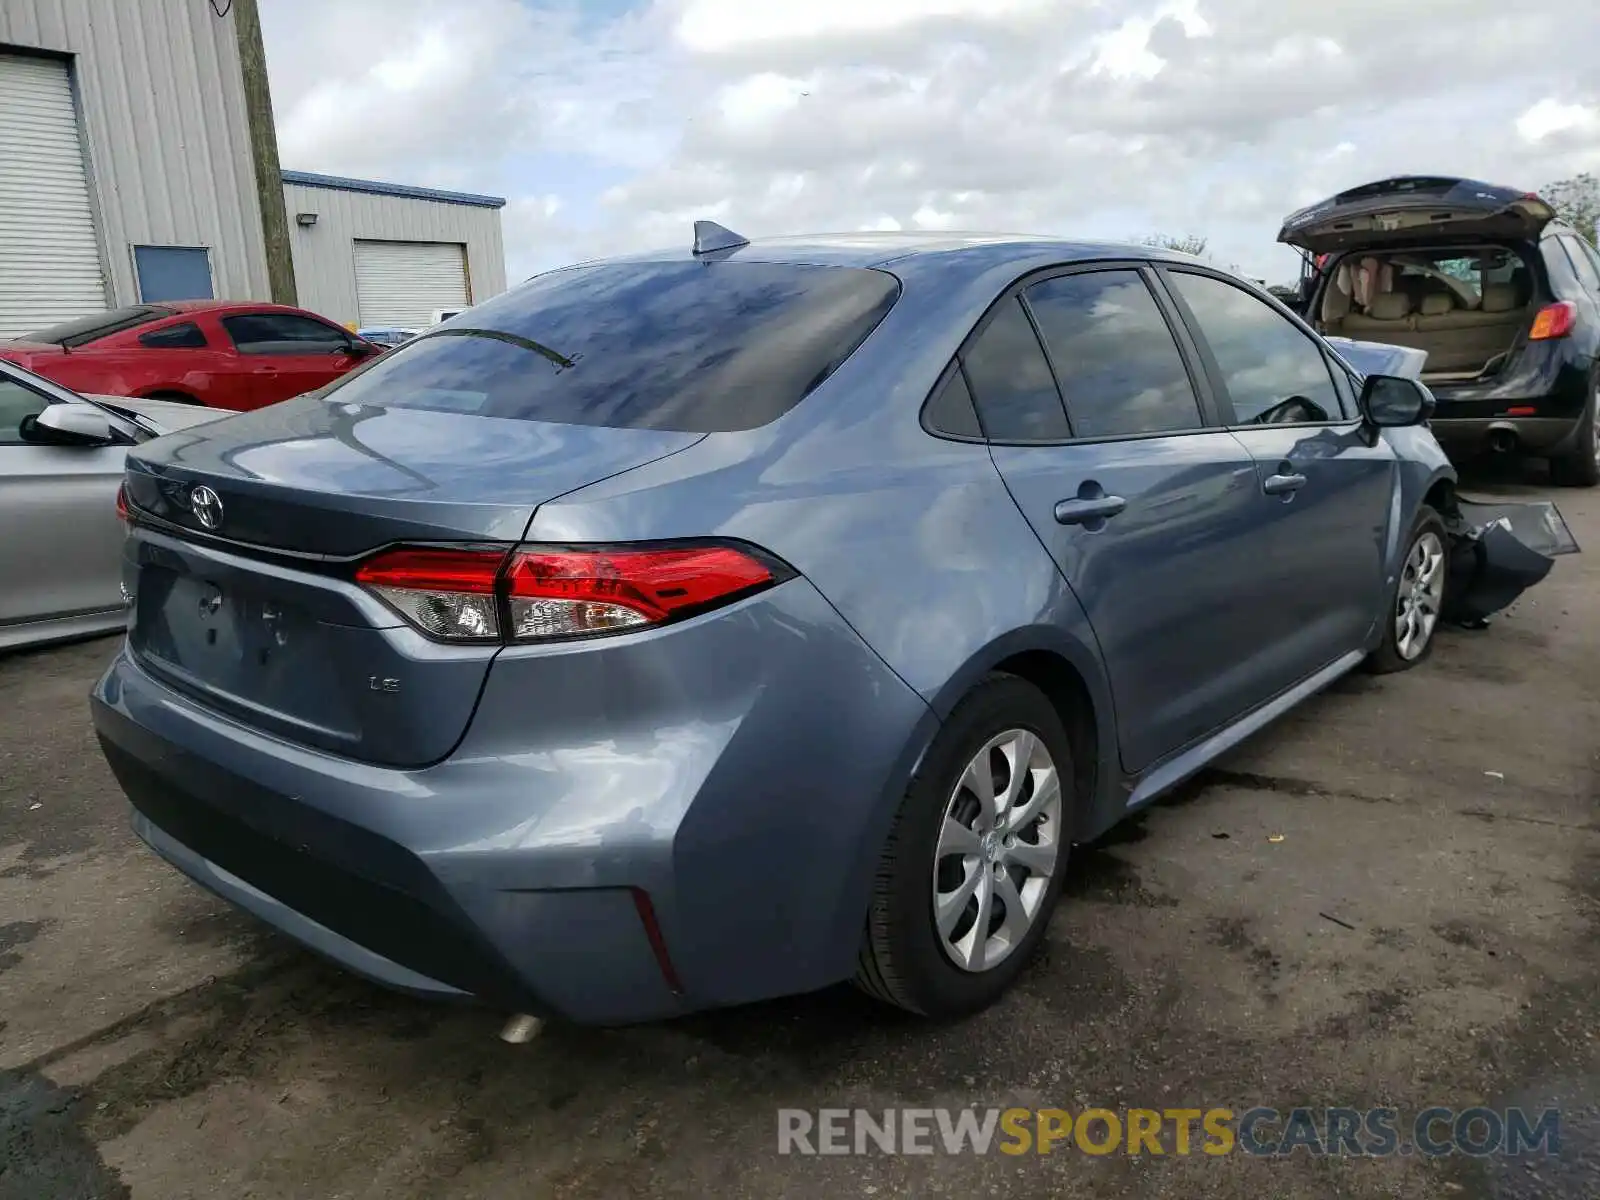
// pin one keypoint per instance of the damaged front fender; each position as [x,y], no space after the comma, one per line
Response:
[1500,549]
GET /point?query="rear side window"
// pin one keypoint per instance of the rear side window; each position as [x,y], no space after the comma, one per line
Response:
[1591,254]
[699,347]
[1581,264]
[186,336]
[1273,372]
[950,409]
[1563,276]
[102,324]
[1118,363]
[1011,381]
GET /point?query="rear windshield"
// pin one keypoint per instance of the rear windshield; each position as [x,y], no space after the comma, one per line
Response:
[84,330]
[693,346]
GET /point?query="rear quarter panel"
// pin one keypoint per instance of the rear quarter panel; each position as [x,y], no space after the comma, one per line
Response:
[913,539]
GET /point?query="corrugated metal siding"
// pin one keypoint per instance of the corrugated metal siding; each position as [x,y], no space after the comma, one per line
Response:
[49,254]
[400,285]
[161,97]
[324,253]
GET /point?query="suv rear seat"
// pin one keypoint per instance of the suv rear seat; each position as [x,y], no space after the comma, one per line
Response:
[1456,339]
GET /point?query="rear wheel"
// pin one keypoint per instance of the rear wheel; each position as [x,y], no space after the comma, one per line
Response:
[1417,599]
[974,863]
[175,397]
[1580,467]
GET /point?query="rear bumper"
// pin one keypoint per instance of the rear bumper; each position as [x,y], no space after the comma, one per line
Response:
[1529,435]
[748,800]
[1537,405]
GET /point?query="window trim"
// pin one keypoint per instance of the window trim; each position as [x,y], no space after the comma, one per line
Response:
[1205,399]
[1330,363]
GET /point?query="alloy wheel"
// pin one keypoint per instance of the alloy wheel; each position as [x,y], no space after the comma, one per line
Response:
[997,850]
[1421,594]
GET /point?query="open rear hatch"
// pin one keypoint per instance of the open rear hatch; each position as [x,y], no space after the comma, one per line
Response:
[248,533]
[1415,208]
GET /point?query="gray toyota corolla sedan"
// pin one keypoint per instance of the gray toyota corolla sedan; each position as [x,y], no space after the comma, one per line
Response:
[703,626]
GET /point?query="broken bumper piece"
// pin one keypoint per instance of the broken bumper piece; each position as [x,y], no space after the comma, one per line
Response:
[1498,551]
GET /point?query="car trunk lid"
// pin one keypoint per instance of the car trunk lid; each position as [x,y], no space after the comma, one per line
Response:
[25,353]
[314,477]
[1416,208]
[243,595]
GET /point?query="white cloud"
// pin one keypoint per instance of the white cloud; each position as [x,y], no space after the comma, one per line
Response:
[1106,119]
[718,25]
[1551,117]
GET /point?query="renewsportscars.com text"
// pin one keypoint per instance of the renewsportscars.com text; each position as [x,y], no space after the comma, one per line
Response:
[1364,1133]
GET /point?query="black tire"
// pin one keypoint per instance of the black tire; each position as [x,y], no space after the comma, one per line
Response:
[176,398]
[1387,658]
[1581,467]
[902,959]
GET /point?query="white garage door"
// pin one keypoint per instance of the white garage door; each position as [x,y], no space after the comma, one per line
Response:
[49,255]
[402,283]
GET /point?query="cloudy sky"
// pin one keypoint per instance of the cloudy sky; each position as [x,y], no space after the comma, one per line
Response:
[612,124]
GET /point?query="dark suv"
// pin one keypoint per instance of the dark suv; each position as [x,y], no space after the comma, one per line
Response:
[1504,298]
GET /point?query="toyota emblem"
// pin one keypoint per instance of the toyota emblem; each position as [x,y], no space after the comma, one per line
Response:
[206,506]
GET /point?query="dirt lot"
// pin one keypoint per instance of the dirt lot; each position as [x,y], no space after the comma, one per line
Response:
[1423,933]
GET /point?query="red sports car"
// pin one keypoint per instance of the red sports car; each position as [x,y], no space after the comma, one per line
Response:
[219,353]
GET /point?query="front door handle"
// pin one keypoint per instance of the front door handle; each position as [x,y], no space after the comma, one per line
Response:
[1283,485]
[1082,510]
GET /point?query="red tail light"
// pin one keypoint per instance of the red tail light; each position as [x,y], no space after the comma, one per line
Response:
[535,593]
[1554,321]
[123,514]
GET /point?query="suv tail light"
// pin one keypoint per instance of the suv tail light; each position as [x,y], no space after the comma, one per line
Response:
[123,514]
[538,593]
[1554,321]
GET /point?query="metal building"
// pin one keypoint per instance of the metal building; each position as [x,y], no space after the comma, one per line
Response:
[379,254]
[138,162]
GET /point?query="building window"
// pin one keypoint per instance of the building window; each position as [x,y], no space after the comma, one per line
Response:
[173,273]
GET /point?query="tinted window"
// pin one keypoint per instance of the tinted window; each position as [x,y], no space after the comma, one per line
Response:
[1563,276]
[699,347]
[16,404]
[1011,381]
[950,409]
[283,333]
[87,329]
[1591,254]
[1581,263]
[1272,371]
[1114,353]
[186,336]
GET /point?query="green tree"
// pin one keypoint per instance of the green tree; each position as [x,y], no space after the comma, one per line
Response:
[1189,243]
[1577,202]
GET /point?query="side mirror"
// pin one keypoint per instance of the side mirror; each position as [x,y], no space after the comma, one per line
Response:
[1392,400]
[70,425]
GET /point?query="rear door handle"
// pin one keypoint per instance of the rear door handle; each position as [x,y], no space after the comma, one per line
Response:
[1079,511]
[1283,485]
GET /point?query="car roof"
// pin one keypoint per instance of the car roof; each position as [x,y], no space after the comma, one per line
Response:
[981,251]
[194,306]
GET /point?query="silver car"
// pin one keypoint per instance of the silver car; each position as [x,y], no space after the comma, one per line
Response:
[61,461]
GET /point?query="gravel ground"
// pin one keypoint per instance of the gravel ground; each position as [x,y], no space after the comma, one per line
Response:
[1389,898]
